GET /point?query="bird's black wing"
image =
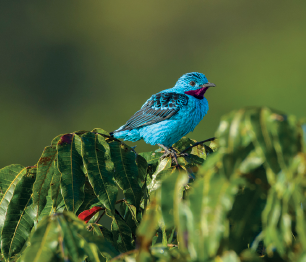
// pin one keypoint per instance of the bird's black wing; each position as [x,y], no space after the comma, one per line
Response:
[159,107]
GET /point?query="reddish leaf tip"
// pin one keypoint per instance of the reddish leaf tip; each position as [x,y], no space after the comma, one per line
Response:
[88,214]
[66,139]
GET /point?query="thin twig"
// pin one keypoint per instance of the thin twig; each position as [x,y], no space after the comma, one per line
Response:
[97,220]
[117,212]
[119,201]
[198,143]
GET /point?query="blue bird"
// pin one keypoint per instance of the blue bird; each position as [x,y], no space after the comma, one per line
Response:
[170,114]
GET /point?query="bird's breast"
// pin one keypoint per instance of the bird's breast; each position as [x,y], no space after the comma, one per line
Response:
[193,113]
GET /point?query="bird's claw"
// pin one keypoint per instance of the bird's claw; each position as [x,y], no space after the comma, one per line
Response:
[169,152]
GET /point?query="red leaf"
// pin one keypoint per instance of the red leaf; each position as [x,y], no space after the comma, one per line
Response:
[88,214]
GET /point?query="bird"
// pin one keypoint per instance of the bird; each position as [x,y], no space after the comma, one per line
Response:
[169,115]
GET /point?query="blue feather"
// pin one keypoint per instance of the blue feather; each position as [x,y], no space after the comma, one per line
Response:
[170,114]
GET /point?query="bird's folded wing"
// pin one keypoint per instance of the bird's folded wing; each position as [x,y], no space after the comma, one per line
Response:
[159,107]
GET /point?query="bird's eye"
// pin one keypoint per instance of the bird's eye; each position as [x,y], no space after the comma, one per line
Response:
[192,83]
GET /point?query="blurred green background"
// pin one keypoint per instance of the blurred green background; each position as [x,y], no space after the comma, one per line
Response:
[72,65]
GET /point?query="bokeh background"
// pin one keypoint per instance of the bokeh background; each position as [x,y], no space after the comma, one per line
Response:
[78,65]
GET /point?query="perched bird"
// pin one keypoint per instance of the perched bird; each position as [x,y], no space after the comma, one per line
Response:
[170,114]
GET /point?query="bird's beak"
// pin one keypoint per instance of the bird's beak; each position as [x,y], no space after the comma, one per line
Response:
[208,85]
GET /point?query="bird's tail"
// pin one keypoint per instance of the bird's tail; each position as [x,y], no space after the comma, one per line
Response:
[129,135]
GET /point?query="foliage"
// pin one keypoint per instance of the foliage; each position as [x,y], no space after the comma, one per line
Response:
[239,199]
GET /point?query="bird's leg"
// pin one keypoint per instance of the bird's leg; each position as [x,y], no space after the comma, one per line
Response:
[169,152]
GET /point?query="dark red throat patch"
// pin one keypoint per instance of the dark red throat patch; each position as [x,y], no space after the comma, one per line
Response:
[198,93]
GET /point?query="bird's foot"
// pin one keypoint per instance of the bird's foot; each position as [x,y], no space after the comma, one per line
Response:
[169,151]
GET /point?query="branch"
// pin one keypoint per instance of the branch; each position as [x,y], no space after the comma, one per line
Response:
[97,220]
[198,143]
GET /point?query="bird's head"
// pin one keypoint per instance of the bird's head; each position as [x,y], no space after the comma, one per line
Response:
[194,84]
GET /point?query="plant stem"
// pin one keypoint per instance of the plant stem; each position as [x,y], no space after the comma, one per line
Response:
[199,143]
[97,220]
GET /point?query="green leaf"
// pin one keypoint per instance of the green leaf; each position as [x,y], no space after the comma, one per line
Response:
[101,231]
[246,211]
[55,186]
[209,200]
[122,233]
[258,122]
[126,172]
[130,216]
[236,129]
[70,165]
[172,208]
[21,232]
[201,151]
[43,242]
[184,143]
[229,256]
[80,132]
[100,244]
[251,162]
[45,171]
[286,137]
[48,208]
[161,252]
[190,161]
[170,196]
[148,226]
[9,177]
[90,199]
[100,169]
[56,139]
[250,256]
[152,157]
[100,131]
[163,170]
[214,145]
[70,238]
[82,238]
[63,236]
[92,253]
[142,169]
[20,216]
